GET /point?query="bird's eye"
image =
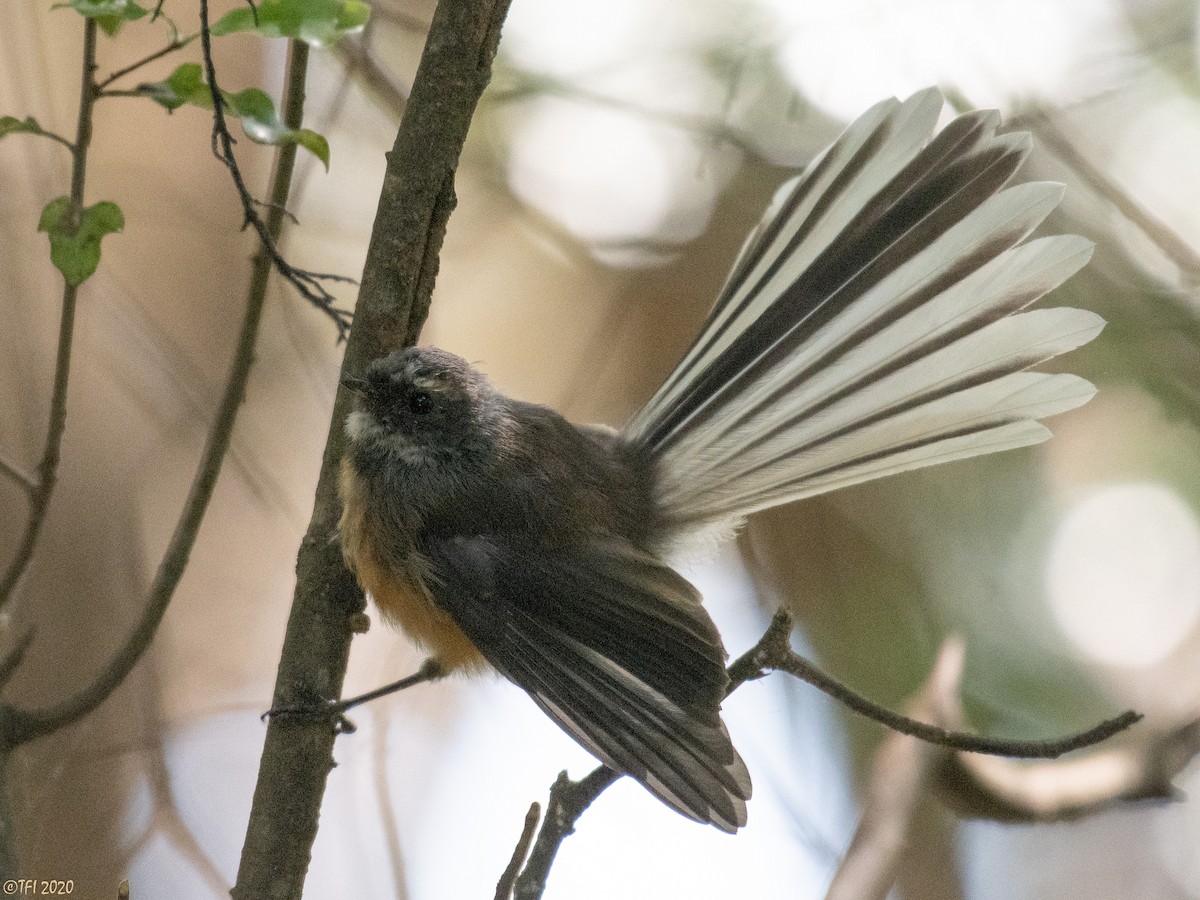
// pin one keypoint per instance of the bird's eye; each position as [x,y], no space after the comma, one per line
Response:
[419,403]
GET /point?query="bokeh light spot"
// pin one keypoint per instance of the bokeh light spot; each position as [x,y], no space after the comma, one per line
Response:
[1123,576]
[601,172]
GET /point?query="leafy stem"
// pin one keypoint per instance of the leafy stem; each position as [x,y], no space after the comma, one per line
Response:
[309,284]
[46,477]
[24,725]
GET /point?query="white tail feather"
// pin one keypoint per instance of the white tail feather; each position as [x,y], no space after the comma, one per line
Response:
[872,323]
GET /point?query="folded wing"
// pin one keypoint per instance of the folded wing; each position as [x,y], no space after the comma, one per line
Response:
[616,648]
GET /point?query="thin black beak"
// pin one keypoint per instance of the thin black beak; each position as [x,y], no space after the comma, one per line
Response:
[355,384]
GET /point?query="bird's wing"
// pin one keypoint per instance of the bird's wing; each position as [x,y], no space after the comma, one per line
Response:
[616,648]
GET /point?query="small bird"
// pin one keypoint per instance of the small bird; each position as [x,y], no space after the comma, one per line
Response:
[872,323]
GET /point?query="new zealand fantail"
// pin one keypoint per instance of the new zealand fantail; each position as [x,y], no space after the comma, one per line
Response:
[871,324]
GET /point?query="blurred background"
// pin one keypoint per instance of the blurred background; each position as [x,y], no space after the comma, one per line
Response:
[624,149]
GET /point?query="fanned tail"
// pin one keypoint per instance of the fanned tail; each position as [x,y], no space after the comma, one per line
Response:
[872,323]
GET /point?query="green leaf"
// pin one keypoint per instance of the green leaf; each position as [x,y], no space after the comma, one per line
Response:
[185,85]
[262,124]
[316,22]
[76,251]
[13,125]
[260,121]
[29,125]
[109,14]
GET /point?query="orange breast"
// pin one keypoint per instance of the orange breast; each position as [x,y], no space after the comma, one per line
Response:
[401,596]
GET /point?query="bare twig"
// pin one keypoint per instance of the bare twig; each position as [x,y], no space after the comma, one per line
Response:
[507,882]
[526,86]
[12,659]
[47,470]
[1163,236]
[176,43]
[389,12]
[26,481]
[774,653]
[356,57]
[430,670]
[568,801]
[1009,791]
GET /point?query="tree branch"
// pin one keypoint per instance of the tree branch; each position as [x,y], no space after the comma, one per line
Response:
[507,882]
[24,480]
[570,799]
[176,43]
[384,88]
[773,653]
[402,258]
[1050,135]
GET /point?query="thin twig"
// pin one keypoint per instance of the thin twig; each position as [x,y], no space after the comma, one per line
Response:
[355,56]
[1163,236]
[568,801]
[785,660]
[307,283]
[529,86]
[26,481]
[430,670]
[12,659]
[986,787]
[507,882]
[47,470]
[175,44]
[57,138]
[388,12]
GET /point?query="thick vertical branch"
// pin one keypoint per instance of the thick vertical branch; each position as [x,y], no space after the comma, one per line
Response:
[415,203]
